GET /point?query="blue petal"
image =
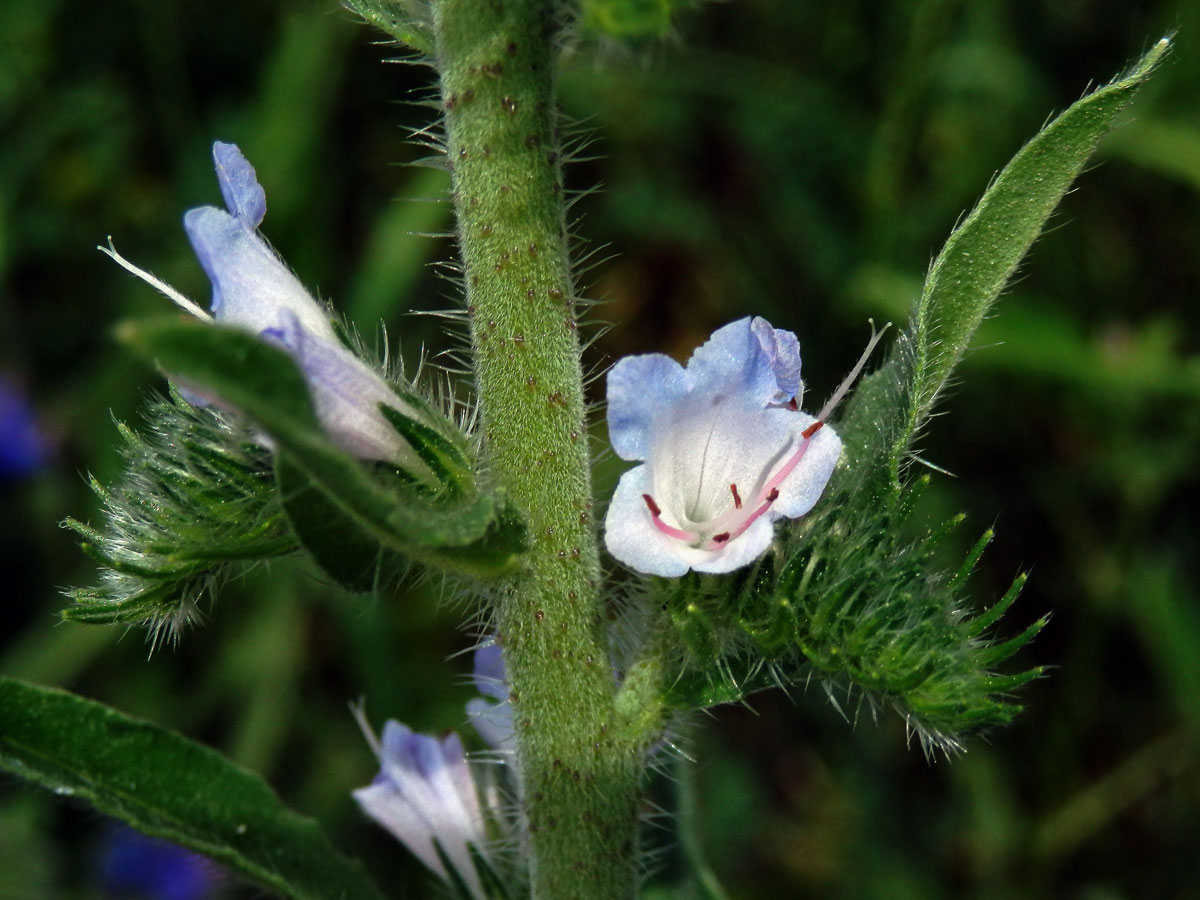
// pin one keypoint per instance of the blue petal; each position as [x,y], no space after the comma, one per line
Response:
[642,391]
[346,394]
[493,721]
[748,360]
[783,351]
[250,283]
[24,448]
[489,675]
[244,196]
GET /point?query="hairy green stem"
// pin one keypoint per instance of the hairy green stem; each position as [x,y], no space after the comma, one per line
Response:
[580,774]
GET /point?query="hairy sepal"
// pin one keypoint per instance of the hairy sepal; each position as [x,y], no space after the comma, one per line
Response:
[195,500]
[446,521]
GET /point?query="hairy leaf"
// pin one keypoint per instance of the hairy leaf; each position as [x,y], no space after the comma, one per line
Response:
[172,788]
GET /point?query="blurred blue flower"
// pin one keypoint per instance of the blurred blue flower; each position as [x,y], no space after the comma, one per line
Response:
[141,866]
[255,290]
[493,721]
[725,451]
[424,793]
[24,447]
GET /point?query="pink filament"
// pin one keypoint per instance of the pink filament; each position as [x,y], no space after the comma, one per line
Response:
[670,531]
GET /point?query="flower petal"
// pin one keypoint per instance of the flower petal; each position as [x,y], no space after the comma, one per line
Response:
[251,285]
[244,196]
[494,722]
[641,390]
[783,351]
[734,362]
[424,792]
[800,491]
[489,675]
[383,802]
[346,393]
[631,536]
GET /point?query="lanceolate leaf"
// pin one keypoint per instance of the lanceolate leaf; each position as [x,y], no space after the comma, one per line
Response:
[170,787]
[974,266]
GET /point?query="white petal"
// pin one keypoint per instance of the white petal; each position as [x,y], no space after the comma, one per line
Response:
[630,534]
[800,491]
[387,806]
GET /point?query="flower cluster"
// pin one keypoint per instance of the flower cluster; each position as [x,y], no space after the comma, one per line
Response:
[253,289]
[725,451]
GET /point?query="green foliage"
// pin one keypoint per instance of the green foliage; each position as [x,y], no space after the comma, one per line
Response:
[628,19]
[983,253]
[196,499]
[438,516]
[171,788]
[405,20]
[858,600]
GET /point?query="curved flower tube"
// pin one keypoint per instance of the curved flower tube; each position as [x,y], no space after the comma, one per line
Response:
[424,793]
[725,451]
[252,288]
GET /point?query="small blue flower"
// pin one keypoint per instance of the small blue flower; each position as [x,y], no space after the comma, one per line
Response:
[493,721]
[725,451]
[24,447]
[133,864]
[253,289]
[423,793]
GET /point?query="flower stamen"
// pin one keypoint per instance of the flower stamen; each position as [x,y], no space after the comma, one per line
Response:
[669,530]
[737,501]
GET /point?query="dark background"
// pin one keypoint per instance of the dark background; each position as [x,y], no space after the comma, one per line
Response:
[797,160]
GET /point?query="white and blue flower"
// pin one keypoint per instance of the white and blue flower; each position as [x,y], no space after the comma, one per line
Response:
[725,451]
[424,793]
[253,289]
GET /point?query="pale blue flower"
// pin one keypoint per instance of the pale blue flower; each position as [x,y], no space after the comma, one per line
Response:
[493,721]
[253,289]
[725,451]
[424,793]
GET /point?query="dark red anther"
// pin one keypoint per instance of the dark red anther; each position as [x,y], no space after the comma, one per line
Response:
[811,429]
[651,505]
[737,500]
[793,405]
[773,496]
[720,538]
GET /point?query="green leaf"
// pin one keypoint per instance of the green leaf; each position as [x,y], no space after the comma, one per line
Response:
[974,266]
[401,19]
[172,788]
[390,511]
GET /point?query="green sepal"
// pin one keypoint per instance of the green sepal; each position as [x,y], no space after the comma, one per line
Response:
[344,551]
[355,558]
[445,457]
[172,788]
[401,19]
[195,498]
[494,887]
[442,525]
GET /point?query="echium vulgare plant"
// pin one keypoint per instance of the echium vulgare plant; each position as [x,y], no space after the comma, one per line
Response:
[753,542]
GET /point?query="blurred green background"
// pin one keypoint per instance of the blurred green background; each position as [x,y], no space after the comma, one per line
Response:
[802,161]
